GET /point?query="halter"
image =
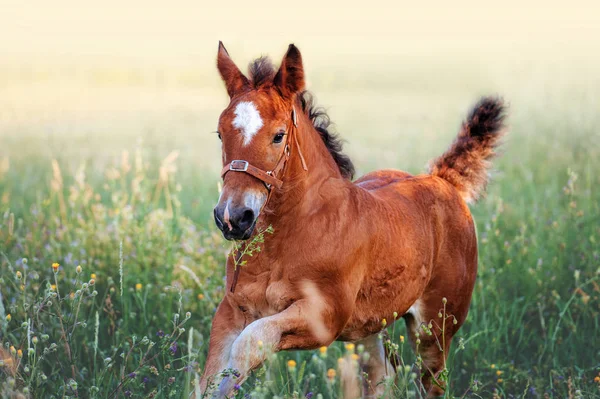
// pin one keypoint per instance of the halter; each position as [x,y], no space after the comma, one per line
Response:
[271,178]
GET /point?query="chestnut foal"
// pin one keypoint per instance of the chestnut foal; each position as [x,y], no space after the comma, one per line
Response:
[344,255]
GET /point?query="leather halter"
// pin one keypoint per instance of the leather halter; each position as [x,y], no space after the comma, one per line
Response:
[271,178]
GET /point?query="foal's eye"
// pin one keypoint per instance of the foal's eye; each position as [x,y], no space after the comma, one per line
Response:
[278,138]
[219,136]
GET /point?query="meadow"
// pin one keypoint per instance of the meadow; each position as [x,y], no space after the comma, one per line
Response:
[111,267]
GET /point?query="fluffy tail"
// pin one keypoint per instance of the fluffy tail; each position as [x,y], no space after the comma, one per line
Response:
[465,164]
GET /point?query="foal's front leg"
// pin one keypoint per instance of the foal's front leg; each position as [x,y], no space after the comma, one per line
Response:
[225,329]
[300,326]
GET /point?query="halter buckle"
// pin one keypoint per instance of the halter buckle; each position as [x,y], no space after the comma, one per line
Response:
[238,165]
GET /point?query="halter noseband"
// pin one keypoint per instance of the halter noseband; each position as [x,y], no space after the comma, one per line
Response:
[269,177]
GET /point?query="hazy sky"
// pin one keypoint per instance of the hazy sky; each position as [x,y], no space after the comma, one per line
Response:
[179,30]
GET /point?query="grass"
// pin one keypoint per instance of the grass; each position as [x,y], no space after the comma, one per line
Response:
[124,209]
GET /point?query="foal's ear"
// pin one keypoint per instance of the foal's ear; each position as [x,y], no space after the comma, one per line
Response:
[234,79]
[290,77]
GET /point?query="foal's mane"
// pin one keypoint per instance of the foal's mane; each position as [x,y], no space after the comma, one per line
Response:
[262,72]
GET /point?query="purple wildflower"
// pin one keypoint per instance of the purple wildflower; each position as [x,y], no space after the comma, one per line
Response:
[237,387]
[160,333]
[127,394]
[309,395]
[173,348]
[145,380]
[132,375]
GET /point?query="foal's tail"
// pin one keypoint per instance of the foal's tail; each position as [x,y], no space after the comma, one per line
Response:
[465,164]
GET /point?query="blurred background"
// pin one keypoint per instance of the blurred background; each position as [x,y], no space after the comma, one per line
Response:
[81,80]
[108,157]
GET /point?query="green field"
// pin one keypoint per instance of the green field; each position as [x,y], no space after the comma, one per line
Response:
[115,170]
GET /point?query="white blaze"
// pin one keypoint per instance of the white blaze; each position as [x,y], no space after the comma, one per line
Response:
[248,120]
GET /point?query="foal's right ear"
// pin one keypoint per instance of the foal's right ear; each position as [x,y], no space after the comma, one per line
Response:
[234,79]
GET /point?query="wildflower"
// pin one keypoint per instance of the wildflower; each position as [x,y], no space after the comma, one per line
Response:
[171,380]
[138,287]
[309,395]
[8,317]
[402,339]
[200,296]
[55,267]
[331,374]
[13,351]
[260,344]
[93,276]
[291,364]
[597,379]
[127,393]
[19,275]
[34,340]
[168,366]
[323,350]
[500,380]
[53,287]
[350,347]
[78,269]
[173,348]
[132,375]
[355,357]
[499,373]
[92,281]
[492,366]
[384,323]
[236,387]
[154,370]
[395,314]
[160,333]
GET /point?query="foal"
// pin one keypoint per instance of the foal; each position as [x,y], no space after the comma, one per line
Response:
[344,255]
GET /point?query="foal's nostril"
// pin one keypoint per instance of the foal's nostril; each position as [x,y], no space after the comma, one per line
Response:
[218,220]
[247,218]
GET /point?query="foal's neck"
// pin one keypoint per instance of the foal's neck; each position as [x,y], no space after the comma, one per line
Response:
[299,184]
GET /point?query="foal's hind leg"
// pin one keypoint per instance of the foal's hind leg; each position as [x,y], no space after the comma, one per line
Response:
[378,368]
[433,348]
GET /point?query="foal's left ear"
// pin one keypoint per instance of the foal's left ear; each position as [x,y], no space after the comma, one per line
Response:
[290,77]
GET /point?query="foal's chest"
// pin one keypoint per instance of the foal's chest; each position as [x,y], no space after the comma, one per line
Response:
[259,296]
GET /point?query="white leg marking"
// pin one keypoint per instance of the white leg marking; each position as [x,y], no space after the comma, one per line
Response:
[248,120]
[415,311]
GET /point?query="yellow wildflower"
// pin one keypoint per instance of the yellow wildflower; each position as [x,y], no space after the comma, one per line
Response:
[55,267]
[78,269]
[260,344]
[323,350]
[402,339]
[384,322]
[291,364]
[200,296]
[93,276]
[19,353]
[331,374]
[355,356]
[13,351]
[53,287]
[138,287]
[499,373]
[350,347]
[493,366]
[19,275]
[8,317]
[500,380]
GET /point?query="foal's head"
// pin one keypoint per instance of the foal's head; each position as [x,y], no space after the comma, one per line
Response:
[254,129]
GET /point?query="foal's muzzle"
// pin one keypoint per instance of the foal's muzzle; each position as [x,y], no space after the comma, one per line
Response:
[235,223]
